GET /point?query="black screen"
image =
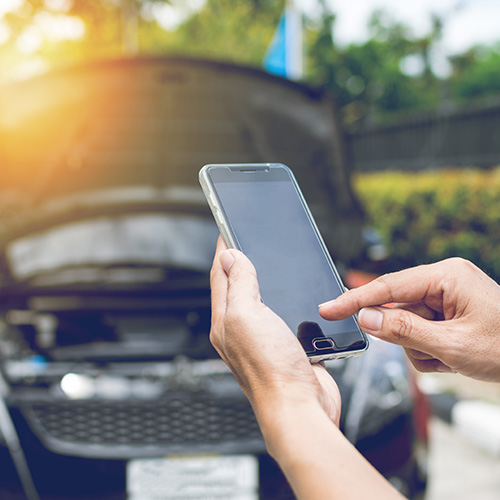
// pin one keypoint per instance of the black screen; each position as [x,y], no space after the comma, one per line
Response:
[273,229]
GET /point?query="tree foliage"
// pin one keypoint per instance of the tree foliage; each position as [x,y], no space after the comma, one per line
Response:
[235,30]
[429,216]
[369,78]
[391,72]
[476,73]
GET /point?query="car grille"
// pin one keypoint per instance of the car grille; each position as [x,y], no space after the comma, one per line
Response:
[124,429]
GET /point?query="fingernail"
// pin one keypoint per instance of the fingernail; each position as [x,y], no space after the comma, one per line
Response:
[371,319]
[226,260]
[327,303]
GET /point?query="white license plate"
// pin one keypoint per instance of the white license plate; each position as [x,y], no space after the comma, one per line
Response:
[226,477]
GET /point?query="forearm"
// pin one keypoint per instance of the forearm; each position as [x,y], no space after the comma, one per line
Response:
[318,461]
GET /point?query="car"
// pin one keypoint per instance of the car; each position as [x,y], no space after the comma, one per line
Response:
[109,387]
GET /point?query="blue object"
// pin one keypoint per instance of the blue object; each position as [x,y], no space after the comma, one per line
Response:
[275,60]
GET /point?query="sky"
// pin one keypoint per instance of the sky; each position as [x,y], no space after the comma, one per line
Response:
[468,22]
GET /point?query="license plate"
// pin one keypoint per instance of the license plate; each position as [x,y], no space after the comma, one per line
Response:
[227,477]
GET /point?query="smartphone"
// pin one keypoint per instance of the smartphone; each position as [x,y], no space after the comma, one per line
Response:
[261,211]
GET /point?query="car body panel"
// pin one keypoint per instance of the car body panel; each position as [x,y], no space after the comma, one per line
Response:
[106,244]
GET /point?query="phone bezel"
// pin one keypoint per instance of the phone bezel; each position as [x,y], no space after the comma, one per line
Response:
[229,236]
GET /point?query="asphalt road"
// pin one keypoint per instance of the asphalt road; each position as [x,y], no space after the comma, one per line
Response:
[460,470]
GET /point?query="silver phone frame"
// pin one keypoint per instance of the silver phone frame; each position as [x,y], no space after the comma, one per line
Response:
[226,231]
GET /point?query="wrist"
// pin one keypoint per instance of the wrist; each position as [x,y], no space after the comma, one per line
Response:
[283,415]
[313,453]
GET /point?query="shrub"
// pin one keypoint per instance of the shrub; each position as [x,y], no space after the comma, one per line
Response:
[428,216]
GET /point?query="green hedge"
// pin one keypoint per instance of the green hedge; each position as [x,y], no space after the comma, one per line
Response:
[428,216]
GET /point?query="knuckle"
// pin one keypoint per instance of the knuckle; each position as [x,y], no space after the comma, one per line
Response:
[214,337]
[352,297]
[216,334]
[418,365]
[237,274]
[460,263]
[402,325]
[385,282]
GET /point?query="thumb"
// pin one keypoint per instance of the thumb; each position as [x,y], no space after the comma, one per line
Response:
[404,328]
[242,286]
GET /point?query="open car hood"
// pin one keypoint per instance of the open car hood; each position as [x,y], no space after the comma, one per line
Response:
[131,135]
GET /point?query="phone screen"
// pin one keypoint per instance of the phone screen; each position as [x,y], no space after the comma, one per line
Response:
[272,227]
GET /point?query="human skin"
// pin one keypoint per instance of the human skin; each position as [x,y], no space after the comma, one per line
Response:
[296,404]
[447,316]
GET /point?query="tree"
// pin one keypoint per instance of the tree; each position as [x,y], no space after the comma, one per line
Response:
[61,32]
[391,72]
[109,25]
[234,30]
[476,73]
[369,78]
[237,30]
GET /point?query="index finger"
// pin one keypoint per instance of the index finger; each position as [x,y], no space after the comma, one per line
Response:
[408,286]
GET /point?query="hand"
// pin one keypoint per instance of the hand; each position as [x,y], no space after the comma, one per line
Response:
[262,352]
[295,402]
[447,316]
